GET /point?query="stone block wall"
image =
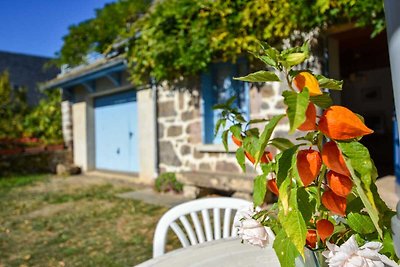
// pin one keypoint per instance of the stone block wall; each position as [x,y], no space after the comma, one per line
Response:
[180,129]
[40,162]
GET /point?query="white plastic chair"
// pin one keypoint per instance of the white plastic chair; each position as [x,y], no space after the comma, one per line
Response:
[196,236]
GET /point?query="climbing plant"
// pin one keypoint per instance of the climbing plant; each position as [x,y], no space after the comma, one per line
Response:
[179,38]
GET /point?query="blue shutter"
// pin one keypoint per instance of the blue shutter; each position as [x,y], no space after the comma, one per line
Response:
[217,87]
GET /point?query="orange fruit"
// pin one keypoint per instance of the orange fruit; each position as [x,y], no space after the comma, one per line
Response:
[311,116]
[237,141]
[273,187]
[249,157]
[265,158]
[340,123]
[340,184]
[306,79]
[336,204]
[333,159]
[324,229]
[311,238]
[308,165]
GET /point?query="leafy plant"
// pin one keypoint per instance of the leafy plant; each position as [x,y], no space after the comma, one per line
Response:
[20,123]
[166,182]
[180,38]
[44,121]
[326,190]
[13,108]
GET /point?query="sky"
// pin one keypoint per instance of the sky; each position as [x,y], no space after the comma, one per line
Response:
[36,27]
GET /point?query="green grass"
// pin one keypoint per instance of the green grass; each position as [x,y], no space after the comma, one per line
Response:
[20,180]
[69,222]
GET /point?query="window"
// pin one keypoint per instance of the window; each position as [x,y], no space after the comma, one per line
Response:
[218,86]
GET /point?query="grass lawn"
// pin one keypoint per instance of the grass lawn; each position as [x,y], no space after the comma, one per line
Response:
[74,221]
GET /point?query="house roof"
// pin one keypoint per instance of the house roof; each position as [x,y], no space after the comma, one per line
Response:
[82,74]
[27,71]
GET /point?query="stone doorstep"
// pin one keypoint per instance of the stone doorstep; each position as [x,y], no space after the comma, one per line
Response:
[218,180]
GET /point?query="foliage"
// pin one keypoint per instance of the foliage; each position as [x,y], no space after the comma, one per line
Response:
[305,197]
[179,38]
[98,34]
[18,120]
[13,108]
[44,121]
[166,182]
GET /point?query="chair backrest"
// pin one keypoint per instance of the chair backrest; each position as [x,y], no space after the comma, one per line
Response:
[230,206]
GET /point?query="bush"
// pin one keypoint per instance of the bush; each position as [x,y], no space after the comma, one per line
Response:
[167,182]
[44,121]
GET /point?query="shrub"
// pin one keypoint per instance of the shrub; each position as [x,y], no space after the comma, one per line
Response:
[167,182]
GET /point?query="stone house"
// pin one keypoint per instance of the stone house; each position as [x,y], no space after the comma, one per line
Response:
[114,126]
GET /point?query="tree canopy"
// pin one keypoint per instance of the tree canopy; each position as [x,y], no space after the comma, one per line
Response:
[175,38]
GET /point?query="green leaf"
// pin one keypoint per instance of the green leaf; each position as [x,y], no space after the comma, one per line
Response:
[241,158]
[230,101]
[322,101]
[285,250]
[220,106]
[268,60]
[225,139]
[236,131]
[260,189]
[293,223]
[369,205]
[220,122]
[266,135]
[388,245]
[363,173]
[329,83]
[296,58]
[297,105]
[285,164]
[240,118]
[256,121]
[259,76]
[284,195]
[306,203]
[267,167]
[360,160]
[354,205]
[253,132]
[311,137]
[281,143]
[250,144]
[360,223]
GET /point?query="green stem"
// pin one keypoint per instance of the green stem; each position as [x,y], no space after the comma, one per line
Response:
[321,178]
[288,81]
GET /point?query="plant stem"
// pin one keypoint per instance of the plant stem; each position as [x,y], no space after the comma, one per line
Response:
[288,81]
[321,178]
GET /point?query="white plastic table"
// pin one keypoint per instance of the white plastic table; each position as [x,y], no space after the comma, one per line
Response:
[223,252]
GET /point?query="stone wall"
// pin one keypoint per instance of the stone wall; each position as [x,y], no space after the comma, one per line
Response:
[180,129]
[42,162]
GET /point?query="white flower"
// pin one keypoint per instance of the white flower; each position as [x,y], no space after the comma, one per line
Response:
[247,212]
[253,232]
[350,255]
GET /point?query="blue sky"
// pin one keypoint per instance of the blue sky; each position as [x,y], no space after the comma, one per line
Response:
[36,27]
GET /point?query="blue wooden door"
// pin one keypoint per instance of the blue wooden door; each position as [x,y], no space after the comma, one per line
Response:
[116,132]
